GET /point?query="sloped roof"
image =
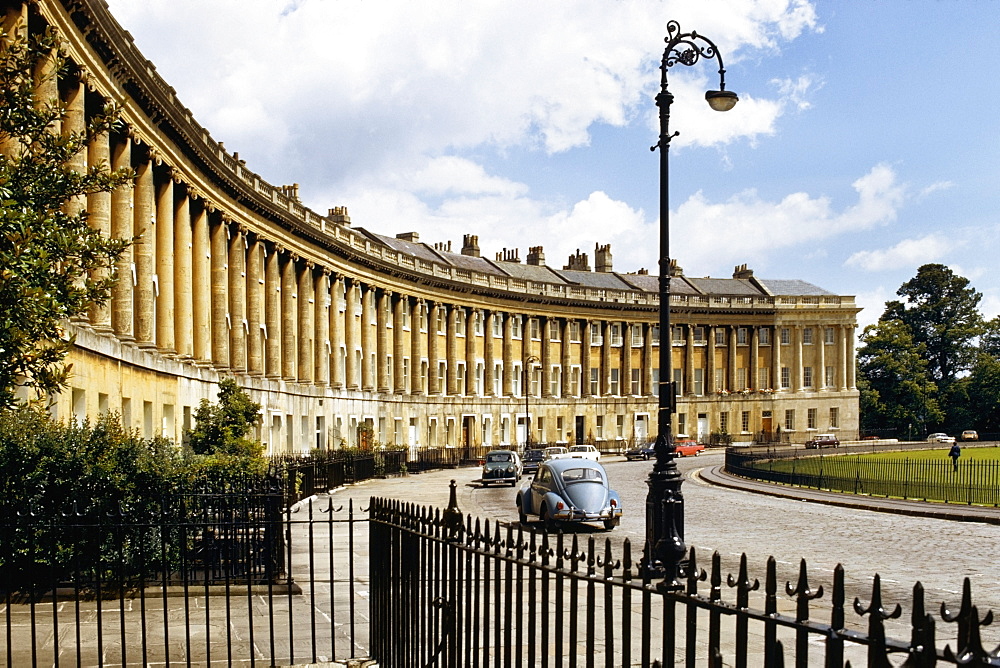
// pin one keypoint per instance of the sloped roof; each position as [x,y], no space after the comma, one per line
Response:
[724,286]
[594,279]
[531,272]
[792,288]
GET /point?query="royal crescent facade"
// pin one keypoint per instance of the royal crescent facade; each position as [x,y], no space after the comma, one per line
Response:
[331,326]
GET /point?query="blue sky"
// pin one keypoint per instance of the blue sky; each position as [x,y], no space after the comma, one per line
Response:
[866,142]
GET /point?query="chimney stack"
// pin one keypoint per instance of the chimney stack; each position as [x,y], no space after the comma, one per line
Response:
[578,262]
[535,256]
[602,258]
[470,245]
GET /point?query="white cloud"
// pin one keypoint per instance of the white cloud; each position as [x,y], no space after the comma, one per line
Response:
[872,303]
[906,253]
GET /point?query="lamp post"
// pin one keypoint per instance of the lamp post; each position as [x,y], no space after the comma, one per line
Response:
[665,549]
[529,364]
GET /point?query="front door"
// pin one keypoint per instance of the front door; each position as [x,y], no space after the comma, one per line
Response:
[581,429]
[702,427]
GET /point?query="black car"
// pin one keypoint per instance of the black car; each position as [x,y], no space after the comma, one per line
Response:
[531,460]
[644,451]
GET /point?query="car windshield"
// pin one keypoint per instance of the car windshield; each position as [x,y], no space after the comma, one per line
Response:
[498,457]
[579,448]
[534,453]
[582,475]
[554,451]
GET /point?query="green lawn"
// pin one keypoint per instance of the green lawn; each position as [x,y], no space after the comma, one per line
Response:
[912,474]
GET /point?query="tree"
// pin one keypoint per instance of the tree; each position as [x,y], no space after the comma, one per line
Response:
[223,427]
[896,389]
[53,266]
[941,312]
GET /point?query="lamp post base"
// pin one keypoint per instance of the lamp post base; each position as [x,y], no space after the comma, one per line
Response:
[665,552]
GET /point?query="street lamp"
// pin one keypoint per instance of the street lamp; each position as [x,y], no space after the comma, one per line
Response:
[529,364]
[665,549]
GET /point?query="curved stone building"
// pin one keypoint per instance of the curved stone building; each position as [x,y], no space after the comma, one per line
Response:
[331,326]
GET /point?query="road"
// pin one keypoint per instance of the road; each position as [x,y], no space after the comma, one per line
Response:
[900,548]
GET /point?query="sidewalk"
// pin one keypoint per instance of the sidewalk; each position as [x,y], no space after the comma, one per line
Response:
[716,475]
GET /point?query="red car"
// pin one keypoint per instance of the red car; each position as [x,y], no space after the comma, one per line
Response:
[688,448]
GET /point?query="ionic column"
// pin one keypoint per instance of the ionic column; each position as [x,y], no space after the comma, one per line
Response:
[507,351]
[337,326]
[752,379]
[565,360]
[648,362]
[351,335]
[143,251]
[470,352]
[289,319]
[851,361]
[776,358]
[367,345]
[183,279]
[416,387]
[821,359]
[605,383]
[272,314]
[321,344]
[398,379]
[165,264]
[122,223]
[237,300]
[382,343]
[489,375]
[99,218]
[626,359]
[543,326]
[220,292]
[732,358]
[306,310]
[74,119]
[201,279]
[451,346]
[255,307]
[710,359]
[585,359]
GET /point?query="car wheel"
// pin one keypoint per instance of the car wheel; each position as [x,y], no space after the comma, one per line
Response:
[548,521]
[646,457]
[610,524]
[521,517]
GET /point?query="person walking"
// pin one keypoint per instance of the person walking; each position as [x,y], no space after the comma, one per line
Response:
[955,453]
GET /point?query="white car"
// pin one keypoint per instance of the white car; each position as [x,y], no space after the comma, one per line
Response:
[585,452]
[940,438]
[555,452]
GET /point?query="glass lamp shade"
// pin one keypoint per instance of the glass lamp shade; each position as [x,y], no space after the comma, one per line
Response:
[721,100]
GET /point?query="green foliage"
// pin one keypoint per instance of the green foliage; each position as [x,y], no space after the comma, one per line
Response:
[222,428]
[53,266]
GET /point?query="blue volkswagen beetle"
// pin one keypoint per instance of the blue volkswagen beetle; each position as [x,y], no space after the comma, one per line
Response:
[570,490]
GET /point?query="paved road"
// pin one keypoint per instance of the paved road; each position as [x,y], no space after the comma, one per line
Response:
[900,548]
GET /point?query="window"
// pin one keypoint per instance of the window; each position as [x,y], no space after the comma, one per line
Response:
[678,335]
[745,421]
[596,337]
[620,425]
[616,333]
[654,333]
[613,390]
[724,422]
[555,381]
[636,382]
[515,326]
[763,378]
[790,419]
[811,418]
[442,374]
[405,308]
[786,377]
[720,337]
[595,382]
[477,320]
[807,336]
[678,382]
[497,327]
[498,379]
[807,376]
[786,336]
[554,334]
[699,334]
[741,378]
[656,382]
[720,380]
[460,322]
[699,382]
[834,417]
[637,340]
[424,319]
[459,377]
[828,336]
[442,323]
[406,374]
[741,336]
[682,423]
[829,376]
[574,331]
[533,325]
[764,336]
[574,381]
[600,427]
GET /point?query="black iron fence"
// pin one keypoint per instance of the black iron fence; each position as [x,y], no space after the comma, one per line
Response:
[451,590]
[968,481]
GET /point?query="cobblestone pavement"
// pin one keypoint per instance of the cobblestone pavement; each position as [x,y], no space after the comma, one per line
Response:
[901,548]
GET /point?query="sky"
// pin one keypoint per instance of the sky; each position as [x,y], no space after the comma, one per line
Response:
[866,142]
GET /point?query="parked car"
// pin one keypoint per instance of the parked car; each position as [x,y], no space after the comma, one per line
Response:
[585,452]
[688,448]
[644,451]
[501,466]
[556,452]
[970,435]
[570,490]
[823,441]
[940,438]
[531,459]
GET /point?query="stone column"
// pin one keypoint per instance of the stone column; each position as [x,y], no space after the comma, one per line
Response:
[74,118]
[382,341]
[289,321]
[351,335]
[201,279]
[565,360]
[587,342]
[398,379]
[689,361]
[507,353]
[489,373]
[776,358]
[732,358]
[710,360]
[337,327]
[752,380]
[852,363]
[183,274]
[546,356]
[272,313]
[416,350]
[306,311]
[165,263]
[626,359]
[451,345]
[122,222]
[144,250]
[237,300]
[648,362]
[255,307]
[470,351]
[367,344]
[99,218]
[606,360]
[220,293]
[820,383]
[321,344]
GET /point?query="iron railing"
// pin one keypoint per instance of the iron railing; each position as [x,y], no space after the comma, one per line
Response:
[450,590]
[969,482]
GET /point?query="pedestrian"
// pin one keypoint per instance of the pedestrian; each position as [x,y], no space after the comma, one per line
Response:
[955,453]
